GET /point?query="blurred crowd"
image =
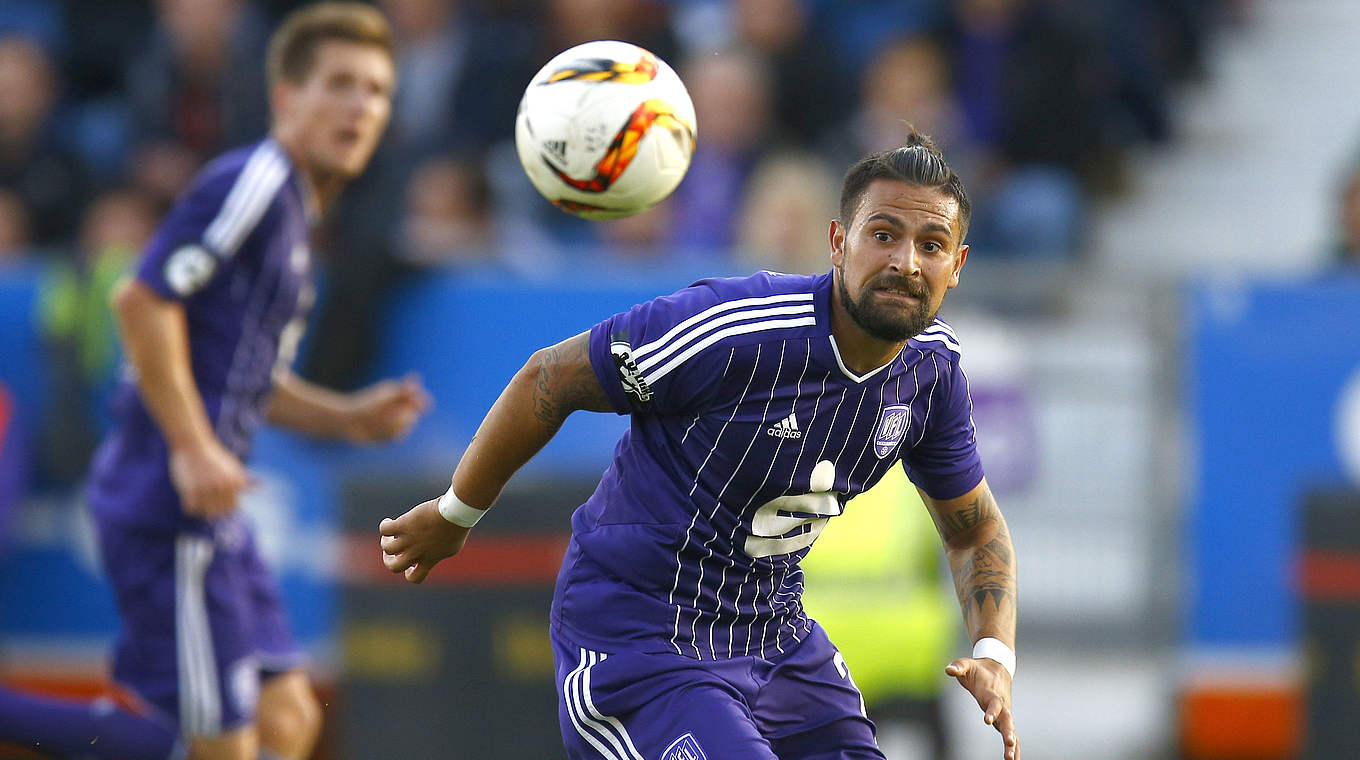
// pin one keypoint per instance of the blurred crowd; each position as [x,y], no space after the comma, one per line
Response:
[108,107]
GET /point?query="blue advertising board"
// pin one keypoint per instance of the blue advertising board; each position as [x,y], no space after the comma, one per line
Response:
[1272,370]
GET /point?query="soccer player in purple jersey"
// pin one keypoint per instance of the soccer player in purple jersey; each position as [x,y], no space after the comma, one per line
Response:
[210,322]
[759,407]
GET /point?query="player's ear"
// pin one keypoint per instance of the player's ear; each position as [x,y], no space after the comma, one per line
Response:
[837,235]
[958,265]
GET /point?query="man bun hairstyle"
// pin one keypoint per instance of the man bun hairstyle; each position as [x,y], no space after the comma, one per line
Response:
[918,162]
[292,49]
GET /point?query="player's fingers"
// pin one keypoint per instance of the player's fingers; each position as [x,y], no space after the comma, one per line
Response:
[417,572]
[992,711]
[393,544]
[1005,724]
[388,527]
[397,563]
[958,668]
[1011,746]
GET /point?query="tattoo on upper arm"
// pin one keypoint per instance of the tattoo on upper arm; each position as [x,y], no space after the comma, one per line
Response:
[952,522]
[564,382]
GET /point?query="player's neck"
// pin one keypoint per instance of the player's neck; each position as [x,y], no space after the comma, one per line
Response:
[860,351]
[321,187]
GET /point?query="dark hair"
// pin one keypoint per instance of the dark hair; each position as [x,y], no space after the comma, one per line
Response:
[292,49]
[918,162]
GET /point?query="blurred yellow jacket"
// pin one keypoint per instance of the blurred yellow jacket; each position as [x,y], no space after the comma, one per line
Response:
[877,582]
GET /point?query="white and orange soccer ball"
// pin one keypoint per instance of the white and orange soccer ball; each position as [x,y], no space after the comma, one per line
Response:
[605,130]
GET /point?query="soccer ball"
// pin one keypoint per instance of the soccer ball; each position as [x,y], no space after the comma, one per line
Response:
[605,130]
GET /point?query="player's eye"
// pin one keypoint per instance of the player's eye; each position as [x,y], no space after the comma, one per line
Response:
[341,82]
[930,246]
[883,237]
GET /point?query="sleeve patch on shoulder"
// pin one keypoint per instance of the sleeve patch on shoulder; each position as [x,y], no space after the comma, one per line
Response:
[189,268]
[629,374]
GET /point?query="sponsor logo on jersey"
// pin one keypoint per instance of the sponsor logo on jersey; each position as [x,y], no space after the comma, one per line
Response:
[892,425]
[684,748]
[189,268]
[785,428]
[629,374]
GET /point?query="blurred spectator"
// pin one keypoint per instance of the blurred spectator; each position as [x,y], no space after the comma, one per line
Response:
[459,76]
[1034,97]
[637,240]
[38,20]
[1030,82]
[13,464]
[907,83]
[198,84]
[14,237]
[79,332]
[858,30]
[101,38]
[731,93]
[448,215]
[448,218]
[808,90]
[642,22]
[46,177]
[787,216]
[452,220]
[1348,248]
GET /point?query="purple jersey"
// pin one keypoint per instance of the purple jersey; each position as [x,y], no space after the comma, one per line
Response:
[748,433]
[234,252]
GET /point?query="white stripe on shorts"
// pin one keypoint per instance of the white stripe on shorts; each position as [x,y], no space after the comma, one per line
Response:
[200,701]
[584,715]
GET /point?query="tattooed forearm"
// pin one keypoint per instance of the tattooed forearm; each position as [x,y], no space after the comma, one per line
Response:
[565,382]
[982,559]
[984,578]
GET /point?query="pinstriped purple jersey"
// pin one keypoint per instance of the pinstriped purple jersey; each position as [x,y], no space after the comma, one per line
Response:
[748,433]
[233,251]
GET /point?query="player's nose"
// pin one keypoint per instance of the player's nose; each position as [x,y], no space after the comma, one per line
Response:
[903,259]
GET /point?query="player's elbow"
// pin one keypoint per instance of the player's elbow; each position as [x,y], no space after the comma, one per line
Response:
[130,296]
[122,296]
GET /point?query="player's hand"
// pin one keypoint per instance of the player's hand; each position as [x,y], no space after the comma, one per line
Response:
[413,543]
[208,478]
[990,684]
[385,410]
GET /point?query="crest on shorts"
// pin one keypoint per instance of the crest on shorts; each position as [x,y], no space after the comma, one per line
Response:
[684,748]
[892,425]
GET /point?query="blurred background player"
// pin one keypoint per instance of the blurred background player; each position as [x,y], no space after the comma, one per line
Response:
[759,406]
[210,323]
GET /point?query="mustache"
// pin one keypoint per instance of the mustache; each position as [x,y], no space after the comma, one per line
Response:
[913,288]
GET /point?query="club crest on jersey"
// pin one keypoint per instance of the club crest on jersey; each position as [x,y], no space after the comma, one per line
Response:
[684,748]
[629,374]
[188,269]
[892,425]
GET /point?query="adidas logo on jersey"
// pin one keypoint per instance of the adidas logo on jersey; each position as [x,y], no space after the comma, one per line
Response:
[785,428]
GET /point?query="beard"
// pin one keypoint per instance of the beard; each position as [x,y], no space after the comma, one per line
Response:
[885,322]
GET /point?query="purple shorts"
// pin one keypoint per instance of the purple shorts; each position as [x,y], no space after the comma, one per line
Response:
[631,705]
[202,622]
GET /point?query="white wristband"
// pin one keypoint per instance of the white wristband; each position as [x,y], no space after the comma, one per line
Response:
[453,509]
[995,649]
